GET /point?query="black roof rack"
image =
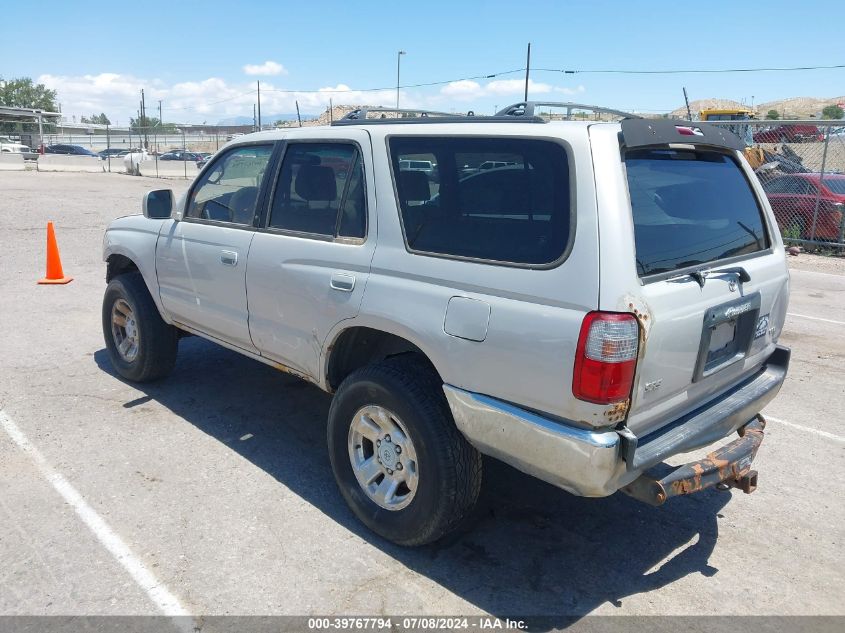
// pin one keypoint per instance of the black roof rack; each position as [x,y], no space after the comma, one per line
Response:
[360,117]
[528,109]
[361,113]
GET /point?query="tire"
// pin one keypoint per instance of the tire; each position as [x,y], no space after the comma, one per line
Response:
[151,353]
[447,468]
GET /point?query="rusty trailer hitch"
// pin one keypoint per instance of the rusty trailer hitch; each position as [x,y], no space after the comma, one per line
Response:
[727,467]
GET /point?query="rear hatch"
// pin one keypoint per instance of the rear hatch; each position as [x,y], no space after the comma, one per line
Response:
[707,277]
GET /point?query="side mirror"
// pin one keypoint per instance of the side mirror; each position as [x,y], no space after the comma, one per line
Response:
[158,204]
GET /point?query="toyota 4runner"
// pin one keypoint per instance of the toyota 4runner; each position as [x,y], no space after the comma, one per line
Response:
[604,297]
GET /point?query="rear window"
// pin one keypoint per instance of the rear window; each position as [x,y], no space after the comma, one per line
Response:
[503,200]
[836,185]
[690,208]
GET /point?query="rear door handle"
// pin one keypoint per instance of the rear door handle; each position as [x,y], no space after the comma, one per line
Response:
[343,282]
[229,258]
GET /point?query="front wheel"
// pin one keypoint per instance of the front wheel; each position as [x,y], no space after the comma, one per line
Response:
[397,456]
[141,346]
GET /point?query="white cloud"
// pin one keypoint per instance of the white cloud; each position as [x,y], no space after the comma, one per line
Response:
[268,68]
[214,98]
[571,91]
[210,99]
[516,87]
[463,88]
[466,90]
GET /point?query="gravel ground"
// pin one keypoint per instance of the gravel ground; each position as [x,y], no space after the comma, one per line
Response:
[834,265]
[217,480]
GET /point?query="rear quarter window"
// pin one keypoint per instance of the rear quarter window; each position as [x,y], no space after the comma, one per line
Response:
[691,208]
[501,200]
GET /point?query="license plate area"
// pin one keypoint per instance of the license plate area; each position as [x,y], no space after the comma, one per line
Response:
[727,334]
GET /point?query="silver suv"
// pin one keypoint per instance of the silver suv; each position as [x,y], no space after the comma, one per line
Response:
[609,296]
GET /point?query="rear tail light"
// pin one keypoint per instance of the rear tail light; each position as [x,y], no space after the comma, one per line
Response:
[606,358]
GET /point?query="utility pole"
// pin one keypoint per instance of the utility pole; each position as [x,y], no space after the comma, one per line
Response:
[298,118]
[144,120]
[398,66]
[254,120]
[527,70]
[686,100]
[161,123]
[258,83]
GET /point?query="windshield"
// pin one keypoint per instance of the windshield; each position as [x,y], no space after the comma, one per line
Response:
[836,185]
[690,208]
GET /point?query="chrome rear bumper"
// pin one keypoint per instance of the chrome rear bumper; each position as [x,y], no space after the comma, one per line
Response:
[580,461]
[597,463]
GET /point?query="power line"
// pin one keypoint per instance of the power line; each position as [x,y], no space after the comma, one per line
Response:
[688,70]
[418,85]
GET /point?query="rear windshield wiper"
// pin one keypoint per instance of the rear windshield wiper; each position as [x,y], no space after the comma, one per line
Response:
[700,276]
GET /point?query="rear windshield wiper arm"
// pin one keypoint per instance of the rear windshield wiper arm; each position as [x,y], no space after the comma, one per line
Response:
[701,276]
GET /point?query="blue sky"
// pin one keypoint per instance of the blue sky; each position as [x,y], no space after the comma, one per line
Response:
[200,57]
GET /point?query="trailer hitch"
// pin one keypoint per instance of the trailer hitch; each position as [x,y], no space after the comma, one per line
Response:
[727,467]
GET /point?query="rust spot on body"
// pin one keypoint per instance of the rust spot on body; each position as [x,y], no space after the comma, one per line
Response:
[641,312]
[617,411]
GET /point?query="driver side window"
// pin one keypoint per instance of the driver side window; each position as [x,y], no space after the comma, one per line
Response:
[228,192]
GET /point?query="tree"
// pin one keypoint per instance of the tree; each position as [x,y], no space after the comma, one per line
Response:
[151,125]
[833,112]
[23,93]
[773,115]
[100,119]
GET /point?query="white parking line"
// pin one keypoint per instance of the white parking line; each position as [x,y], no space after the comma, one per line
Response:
[808,429]
[815,272]
[166,602]
[805,316]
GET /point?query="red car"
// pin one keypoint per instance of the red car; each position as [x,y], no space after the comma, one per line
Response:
[793,199]
[789,134]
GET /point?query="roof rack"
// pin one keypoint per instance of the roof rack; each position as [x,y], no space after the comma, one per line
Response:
[528,109]
[361,113]
[359,117]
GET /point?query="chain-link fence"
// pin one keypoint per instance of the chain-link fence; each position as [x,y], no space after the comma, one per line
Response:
[172,144]
[801,165]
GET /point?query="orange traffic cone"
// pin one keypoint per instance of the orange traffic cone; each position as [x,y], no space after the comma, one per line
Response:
[55,274]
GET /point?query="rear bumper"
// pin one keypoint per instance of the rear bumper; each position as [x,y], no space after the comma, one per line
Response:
[598,463]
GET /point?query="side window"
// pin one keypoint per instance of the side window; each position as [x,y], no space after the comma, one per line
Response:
[321,191]
[228,192]
[497,199]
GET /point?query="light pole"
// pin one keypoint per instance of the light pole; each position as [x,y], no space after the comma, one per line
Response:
[398,65]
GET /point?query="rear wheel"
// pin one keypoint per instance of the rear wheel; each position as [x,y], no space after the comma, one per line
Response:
[141,346]
[397,456]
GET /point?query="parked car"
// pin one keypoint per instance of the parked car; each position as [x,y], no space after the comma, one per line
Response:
[181,155]
[75,150]
[425,166]
[8,146]
[495,164]
[794,199]
[114,152]
[476,319]
[788,134]
[204,157]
